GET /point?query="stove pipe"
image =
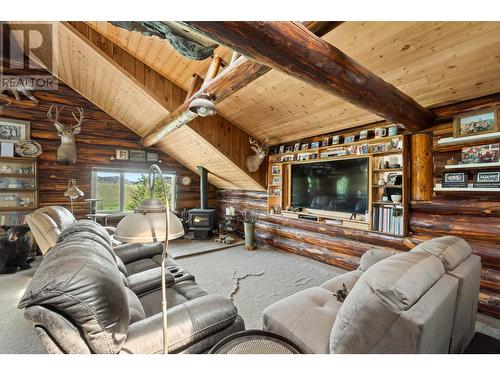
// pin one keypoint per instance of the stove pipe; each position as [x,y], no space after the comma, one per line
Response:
[203,188]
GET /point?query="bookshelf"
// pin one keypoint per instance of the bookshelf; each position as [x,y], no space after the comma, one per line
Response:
[388,175]
[18,189]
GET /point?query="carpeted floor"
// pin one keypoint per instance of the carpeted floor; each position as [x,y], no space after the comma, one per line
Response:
[254,279]
[186,247]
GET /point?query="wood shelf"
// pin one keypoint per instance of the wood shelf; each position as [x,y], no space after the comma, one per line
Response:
[389,186]
[470,188]
[479,137]
[388,170]
[472,166]
[389,204]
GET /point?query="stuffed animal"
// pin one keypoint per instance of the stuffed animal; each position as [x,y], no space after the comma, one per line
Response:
[14,248]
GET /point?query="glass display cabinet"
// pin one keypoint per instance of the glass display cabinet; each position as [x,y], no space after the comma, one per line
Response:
[18,189]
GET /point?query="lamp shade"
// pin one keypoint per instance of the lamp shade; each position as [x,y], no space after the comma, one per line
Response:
[72,192]
[147,224]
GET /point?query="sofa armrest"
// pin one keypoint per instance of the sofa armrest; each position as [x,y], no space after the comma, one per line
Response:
[373,256]
[188,324]
[110,230]
[147,281]
[131,252]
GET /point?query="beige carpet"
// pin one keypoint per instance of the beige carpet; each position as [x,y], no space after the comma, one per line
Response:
[187,247]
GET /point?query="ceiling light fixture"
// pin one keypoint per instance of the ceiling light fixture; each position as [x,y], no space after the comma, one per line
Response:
[203,106]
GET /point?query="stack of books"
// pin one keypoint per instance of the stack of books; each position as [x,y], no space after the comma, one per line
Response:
[388,220]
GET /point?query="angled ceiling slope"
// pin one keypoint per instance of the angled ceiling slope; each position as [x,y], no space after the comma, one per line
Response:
[99,79]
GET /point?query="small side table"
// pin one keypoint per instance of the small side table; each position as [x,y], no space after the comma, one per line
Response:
[99,216]
[255,341]
[93,204]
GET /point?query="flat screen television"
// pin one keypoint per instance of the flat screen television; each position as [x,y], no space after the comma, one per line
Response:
[337,185]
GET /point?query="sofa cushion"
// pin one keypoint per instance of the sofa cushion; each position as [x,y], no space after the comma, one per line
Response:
[88,226]
[305,317]
[62,216]
[80,279]
[373,256]
[381,294]
[136,311]
[451,250]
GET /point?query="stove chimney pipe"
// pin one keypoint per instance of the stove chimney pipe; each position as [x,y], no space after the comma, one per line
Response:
[203,187]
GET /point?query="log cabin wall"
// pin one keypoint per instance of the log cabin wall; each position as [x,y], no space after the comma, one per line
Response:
[472,216]
[100,136]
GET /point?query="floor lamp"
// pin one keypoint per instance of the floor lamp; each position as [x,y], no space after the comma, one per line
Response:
[72,192]
[151,222]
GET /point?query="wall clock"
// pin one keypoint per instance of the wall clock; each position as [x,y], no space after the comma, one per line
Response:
[186,180]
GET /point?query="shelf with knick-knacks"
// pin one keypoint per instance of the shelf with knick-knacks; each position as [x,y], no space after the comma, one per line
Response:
[18,189]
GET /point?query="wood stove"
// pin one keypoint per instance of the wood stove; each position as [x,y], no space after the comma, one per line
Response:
[202,220]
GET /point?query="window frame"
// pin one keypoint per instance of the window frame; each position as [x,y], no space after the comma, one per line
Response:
[122,172]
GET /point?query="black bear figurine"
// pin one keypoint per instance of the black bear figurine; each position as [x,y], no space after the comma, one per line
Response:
[14,248]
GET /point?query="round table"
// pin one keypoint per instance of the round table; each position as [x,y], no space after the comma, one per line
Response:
[255,341]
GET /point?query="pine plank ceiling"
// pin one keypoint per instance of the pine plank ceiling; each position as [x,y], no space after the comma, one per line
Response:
[435,63]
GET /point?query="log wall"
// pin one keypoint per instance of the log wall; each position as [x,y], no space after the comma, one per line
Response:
[97,142]
[472,216]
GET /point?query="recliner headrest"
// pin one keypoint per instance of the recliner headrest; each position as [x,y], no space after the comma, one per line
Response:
[450,249]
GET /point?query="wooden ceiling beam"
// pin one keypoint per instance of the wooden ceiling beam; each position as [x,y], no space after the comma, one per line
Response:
[239,73]
[291,48]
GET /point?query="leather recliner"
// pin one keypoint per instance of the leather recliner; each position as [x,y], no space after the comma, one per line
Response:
[422,301]
[48,222]
[80,300]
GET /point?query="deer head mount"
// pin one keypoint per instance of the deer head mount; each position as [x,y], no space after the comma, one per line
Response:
[254,161]
[66,152]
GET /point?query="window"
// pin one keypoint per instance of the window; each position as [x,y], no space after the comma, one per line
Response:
[122,190]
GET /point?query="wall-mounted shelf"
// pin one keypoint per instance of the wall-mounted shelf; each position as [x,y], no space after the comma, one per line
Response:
[470,188]
[387,170]
[452,140]
[472,166]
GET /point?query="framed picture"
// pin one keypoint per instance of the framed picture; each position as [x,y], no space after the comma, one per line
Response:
[275,170]
[454,179]
[152,156]
[304,146]
[315,145]
[363,149]
[487,179]
[289,149]
[137,155]
[282,149]
[336,139]
[7,149]
[121,154]
[275,192]
[363,134]
[296,147]
[276,180]
[325,142]
[349,139]
[477,122]
[394,145]
[378,148]
[481,154]
[14,130]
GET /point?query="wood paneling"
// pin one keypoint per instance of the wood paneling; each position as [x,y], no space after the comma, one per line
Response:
[435,63]
[100,136]
[214,142]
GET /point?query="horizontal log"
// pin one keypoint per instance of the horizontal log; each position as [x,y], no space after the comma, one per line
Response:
[489,303]
[474,206]
[448,111]
[490,279]
[475,227]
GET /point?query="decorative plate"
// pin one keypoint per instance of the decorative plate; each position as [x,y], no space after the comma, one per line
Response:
[186,181]
[28,148]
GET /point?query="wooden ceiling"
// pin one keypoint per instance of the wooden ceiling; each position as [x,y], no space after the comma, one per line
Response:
[433,62]
[98,78]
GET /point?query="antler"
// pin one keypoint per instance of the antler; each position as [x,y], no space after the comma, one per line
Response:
[57,109]
[78,120]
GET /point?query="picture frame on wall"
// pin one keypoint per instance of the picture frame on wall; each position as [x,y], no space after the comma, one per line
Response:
[304,146]
[315,145]
[363,134]
[477,122]
[487,179]
[275,170]
[275,192]
[336,139]
[454,179]
[152,156]
[325,142]
[14,130]
[281,149]
[481,154]
[121,154]
[137,155]
[276,180]
[350,139]
[296,147]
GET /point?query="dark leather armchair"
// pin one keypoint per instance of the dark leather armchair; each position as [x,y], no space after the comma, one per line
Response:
[81,300]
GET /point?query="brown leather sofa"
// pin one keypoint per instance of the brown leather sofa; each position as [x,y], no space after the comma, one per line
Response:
[82,300]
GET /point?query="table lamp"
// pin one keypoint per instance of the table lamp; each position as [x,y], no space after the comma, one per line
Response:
[150,222]
[72,192]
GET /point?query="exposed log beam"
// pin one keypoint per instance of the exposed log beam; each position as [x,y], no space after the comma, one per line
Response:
[291,48]
[240,72]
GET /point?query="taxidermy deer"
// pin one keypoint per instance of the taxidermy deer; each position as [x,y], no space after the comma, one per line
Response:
[66,152]
[254,161]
